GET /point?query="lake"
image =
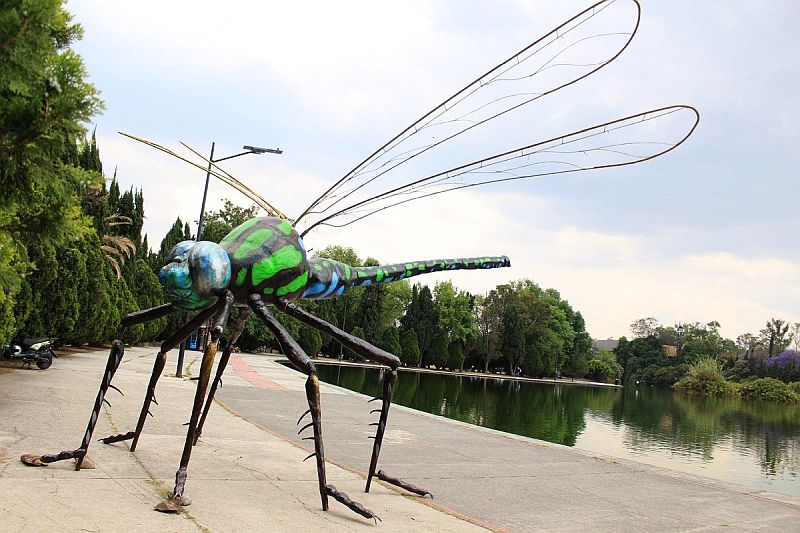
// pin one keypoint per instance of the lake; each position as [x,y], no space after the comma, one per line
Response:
[756,444]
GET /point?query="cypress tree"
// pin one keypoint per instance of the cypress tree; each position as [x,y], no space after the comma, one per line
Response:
[410,348]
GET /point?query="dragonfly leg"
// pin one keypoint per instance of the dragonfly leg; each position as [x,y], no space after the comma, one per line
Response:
[158,367]
[373,353]
[223,362]
[176,499]
[112,363]
[303,362]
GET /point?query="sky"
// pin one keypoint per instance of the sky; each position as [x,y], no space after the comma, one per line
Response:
[706,232]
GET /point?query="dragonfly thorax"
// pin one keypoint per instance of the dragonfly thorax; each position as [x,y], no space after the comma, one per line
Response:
[268,258]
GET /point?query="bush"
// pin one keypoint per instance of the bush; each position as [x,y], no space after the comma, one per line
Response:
[768,389]
[784,366]
[390,341]
[455,358]
[795,386]
[310,341]
[705,377]
[438,355]
[410,348]
[667,375]
[739,371]
[600,370]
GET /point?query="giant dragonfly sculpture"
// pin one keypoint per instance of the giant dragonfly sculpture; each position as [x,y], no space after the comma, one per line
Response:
[262,265]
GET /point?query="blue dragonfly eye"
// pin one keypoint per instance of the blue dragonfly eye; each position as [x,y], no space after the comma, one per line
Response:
[195,274]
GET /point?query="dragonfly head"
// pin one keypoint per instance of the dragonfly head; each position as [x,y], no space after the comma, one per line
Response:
[195,274]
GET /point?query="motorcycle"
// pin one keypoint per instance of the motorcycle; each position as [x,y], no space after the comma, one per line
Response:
[38,351]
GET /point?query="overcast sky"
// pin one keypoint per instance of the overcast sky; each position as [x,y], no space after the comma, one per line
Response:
[707,232]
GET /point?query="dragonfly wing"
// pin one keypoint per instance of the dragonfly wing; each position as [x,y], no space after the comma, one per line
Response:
[625,141]
[570,52]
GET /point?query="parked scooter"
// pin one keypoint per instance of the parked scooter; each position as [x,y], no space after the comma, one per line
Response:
[38,351]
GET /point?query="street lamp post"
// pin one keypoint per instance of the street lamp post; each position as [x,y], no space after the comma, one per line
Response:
[247,150]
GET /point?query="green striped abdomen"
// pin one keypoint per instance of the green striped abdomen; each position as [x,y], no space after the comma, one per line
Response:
[329,278]
[268,257]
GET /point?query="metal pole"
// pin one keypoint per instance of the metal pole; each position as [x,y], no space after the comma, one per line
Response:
[205,193]
[182,350]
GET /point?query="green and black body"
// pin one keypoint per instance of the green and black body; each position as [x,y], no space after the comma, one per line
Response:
[266,256]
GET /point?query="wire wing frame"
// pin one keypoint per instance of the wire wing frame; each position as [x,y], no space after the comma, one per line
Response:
[572,51]
[622,142]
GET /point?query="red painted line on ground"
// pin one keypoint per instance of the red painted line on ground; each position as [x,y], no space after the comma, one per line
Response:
[244,371]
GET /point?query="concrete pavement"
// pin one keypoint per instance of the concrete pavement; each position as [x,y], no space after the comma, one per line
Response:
[241,477]
[508,481]
[246,473]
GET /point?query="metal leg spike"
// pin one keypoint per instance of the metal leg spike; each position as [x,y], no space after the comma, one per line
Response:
[302,417]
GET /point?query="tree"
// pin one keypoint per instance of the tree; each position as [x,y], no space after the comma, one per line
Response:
[645,327]
[370,307]
[310,340]
[438,354]
[638,355]
[46,102]
[455,311]
[395,300]
[390,341]
[774,336]
[217,224]
[423,317]
[410,347]
[487,326]
[704,340]
[357,332]
[455,357]
[512,344]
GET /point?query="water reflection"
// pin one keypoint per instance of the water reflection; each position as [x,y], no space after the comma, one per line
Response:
[754,443]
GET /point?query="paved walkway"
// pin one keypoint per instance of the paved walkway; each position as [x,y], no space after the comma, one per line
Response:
[504,480]
[246,473]
[241,477]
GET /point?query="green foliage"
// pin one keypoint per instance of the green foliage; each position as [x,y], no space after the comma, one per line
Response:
[704,341]
[455,357]
[438,353]
[423,317]
[147,293]
[217,224]
[409,344]
[637,355]
[370,308]
[795,386]
[455,311]
[768,389]
[310,341]
[45,102]
[395,300]
[601,371]
[357,332]
[390,341]
[512,344]
[705,377]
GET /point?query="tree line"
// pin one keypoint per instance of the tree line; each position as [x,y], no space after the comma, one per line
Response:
[662,355]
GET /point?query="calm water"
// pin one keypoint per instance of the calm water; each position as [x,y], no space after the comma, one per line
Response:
[753,444]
